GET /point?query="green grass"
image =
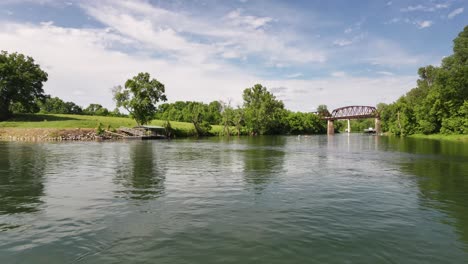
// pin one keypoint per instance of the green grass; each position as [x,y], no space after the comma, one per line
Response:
[83,121]
[463,138]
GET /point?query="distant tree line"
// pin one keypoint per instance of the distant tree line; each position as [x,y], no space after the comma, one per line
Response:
[261,113]
[55,105]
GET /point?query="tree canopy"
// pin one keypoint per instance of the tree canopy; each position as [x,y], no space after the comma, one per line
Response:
[437,104]
[21,81]
[263,113]
[140,96]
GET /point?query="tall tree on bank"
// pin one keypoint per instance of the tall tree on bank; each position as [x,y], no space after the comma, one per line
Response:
[21,82]
[263,113]
[140,96]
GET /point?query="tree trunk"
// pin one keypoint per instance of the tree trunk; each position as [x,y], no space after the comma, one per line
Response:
[5,113]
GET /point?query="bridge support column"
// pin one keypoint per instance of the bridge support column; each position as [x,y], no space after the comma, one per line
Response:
[330,127]
[378,127]
[349,126]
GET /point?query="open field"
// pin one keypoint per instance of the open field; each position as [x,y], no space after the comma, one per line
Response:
[59,121]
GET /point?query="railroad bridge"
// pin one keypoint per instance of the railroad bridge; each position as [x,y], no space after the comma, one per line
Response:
[353,112]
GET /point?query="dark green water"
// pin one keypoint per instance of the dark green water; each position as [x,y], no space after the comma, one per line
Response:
[319,199]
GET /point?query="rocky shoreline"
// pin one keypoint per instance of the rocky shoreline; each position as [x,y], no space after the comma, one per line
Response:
[53,134]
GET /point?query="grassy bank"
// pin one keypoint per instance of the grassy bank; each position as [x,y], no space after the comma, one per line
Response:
[58,121]
[462,138]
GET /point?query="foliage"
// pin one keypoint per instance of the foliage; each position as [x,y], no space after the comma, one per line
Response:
[197,114]
[177,111]
[96,109]
[21,82]
[305,123]
[55,105]
[100,130]
[436,105]
[263,113]
[140,96]
[168,129]
[322,110]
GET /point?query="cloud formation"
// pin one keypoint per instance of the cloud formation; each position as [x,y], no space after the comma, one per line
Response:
[455,13]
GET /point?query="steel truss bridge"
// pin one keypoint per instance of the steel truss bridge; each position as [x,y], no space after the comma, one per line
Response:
[353,112]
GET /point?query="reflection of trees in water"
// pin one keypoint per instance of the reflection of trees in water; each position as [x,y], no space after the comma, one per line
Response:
[442,178]
[263,158]
[142,174]
[22,168]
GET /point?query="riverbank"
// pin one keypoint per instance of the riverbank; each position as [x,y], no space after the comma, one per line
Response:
[461,138]
[48,127]
[51,134]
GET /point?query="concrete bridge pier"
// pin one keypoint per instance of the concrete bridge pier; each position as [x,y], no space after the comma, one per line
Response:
[330,127]
[349,126]
[378,127]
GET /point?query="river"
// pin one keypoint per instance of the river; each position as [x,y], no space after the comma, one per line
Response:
[288,199]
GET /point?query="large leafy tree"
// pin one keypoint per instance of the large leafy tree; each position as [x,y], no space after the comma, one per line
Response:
[21,81]
[140,96]
[263,113]
[197,113]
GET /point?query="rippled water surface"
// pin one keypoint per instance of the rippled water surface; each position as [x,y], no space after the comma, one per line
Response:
[317,199]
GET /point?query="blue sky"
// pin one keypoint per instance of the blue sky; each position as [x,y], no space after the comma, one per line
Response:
[306,52]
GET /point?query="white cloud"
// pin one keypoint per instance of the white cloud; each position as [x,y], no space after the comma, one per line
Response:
[342,42]
[81,60]
[387,53]
[385,73]
[425,8]
[235,18]
[349,41]
[338,74]
[294,75]
[424,24]
[455,13]
[83,67]
[165,30]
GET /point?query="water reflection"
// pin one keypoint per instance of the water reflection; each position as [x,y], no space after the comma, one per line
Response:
[21,178]
[141,171]
[263,160]
[442,169]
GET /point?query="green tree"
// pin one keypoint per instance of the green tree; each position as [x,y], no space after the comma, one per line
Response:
[264,114]
[305,123]
[140,96]
[21,82]
[322,110]
[196,113]
[96,109]
[55,105]
[227,117]
[436,104]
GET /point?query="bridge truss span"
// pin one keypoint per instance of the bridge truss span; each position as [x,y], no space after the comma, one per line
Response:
[353,112]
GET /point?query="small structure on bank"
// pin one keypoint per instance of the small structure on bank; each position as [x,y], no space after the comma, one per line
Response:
[370,130]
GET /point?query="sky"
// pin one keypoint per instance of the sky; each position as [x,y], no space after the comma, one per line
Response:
[307,53]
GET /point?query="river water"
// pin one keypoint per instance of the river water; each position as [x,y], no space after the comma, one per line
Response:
[316,199]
